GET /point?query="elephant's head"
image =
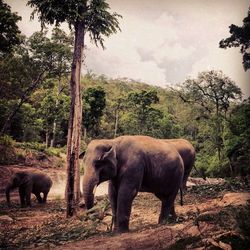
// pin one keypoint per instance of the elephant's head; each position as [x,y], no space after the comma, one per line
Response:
[16,180]
[100,164]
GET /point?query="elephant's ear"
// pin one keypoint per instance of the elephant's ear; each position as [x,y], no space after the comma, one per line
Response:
[82,155]
[109,155]
[22,178]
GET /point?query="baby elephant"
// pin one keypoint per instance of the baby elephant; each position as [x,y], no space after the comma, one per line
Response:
[29,182]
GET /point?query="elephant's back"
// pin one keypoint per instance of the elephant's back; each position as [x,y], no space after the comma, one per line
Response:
[149,150]
[41,182]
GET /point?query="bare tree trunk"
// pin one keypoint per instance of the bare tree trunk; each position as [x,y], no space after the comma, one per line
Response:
[116,122]
[218,139]
[52,142]
[74,129]
[59,90]
[24,98]
[47,139]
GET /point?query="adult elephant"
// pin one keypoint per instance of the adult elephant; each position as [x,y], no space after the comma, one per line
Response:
[132,164]
[29,182]
[187,153]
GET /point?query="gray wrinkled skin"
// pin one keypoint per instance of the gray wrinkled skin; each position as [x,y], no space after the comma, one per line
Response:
[132,164]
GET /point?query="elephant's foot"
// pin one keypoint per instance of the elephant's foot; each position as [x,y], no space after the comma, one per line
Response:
[122,227]
[122,230]
[169,219]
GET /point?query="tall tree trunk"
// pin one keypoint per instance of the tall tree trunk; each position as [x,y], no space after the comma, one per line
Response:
[52,142]
[24,98]
[116,122]
[47,138]
[218,128]
[59,90]
[74,129]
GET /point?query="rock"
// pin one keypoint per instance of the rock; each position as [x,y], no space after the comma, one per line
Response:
[235,199]
[5,219]
[193,231]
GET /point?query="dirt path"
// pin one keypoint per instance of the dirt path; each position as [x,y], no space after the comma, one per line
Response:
[163,237]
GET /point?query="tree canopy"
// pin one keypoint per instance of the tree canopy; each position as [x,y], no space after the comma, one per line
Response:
[240,37]
[95,15]
[9,31]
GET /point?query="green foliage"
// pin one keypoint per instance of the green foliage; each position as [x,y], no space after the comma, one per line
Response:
[31,146]
[9,31]
[94,101]
[238,139]
[7,149]
[98,22]
[211,94]
[140,103]
[53,54]
[240,37]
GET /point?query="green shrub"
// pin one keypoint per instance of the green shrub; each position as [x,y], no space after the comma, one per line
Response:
[7,149]
[31,146]
[53,151]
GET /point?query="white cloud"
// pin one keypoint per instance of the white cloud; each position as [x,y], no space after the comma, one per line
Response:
[164,41]
[123,62]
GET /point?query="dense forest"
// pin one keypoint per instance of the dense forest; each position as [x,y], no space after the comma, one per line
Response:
[35,101]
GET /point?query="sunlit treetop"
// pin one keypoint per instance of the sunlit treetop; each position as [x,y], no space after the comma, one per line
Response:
[94,14]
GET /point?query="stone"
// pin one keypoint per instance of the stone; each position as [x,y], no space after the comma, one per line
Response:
[5,219]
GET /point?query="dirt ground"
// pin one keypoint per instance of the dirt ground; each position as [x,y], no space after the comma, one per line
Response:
[215,215]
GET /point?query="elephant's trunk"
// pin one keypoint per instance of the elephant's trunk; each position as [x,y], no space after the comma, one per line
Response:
[89,184]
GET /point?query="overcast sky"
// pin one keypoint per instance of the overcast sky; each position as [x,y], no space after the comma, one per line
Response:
[163,41]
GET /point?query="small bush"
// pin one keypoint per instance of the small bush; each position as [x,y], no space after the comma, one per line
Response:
[53,151]
[31,146]
[7,149]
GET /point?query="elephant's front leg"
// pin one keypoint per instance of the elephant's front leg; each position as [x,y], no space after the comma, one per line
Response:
[28,195]
[39,198]
[126,195]
[22,196]
[113,201]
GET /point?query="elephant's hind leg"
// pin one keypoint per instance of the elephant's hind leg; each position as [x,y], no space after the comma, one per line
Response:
[39,198]
[167,207]
[45,195]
